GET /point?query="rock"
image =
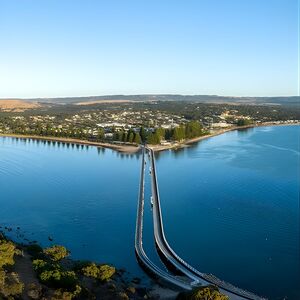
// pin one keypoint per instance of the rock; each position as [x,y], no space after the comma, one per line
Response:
[136,280]
[131,290]
[123,296]
[34,291]
[111,286]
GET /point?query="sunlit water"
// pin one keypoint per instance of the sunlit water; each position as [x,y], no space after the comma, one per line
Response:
[230,204]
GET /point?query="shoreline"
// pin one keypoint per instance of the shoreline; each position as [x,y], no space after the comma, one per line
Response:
[131,149]
[186,143]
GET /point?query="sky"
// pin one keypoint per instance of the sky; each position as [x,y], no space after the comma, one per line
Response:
[55,48]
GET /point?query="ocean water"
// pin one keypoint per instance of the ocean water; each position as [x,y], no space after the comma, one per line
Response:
[230,204]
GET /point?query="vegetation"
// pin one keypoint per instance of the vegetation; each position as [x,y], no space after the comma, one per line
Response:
[7,252]
[101,272]
[10,284]
[138,122]
[244,122]
[61,294]
[59,278]
[56,253]
[54,275]
[203,293]
[189,130]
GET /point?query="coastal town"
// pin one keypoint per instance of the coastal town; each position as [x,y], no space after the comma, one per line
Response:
[128,124]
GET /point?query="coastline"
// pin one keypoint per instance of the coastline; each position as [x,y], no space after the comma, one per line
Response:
[131,149]
[121,148]
[186,143]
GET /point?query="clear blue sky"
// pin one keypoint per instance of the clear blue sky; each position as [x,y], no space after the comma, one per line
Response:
[54,48]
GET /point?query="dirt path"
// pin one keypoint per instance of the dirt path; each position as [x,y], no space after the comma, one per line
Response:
[23,266]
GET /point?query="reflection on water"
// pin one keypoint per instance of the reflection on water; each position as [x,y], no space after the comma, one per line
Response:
[245,131]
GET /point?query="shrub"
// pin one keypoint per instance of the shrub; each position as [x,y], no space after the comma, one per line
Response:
[39,264]
[52,274]
[203,293]
[7,252]
[34,291]
[56,253]
[102,272]
[60,294]
[106,272]
[58,278]
[91,270]
[10,285]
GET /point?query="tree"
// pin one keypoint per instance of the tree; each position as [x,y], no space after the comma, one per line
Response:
[143,134]
[243,122]
[100,134]
[124,139]
[153,138]
[160,132]
[193,129]
[130,137]
[137,138]
[178,133]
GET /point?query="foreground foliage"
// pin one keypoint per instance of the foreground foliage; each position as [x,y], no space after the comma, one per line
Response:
[10,284]
[101,272]
[203,293]
[57,252]
[7,252]
[53,276]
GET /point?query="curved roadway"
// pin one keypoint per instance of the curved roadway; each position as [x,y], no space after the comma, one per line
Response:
[139,250]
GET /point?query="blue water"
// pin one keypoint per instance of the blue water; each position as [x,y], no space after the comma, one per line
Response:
[230,204]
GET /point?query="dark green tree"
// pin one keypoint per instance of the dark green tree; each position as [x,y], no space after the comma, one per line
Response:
[143,134]
[137,138]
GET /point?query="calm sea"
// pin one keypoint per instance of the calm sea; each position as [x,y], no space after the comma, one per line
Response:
[230,204]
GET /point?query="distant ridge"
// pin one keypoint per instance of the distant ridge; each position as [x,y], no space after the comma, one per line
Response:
[279,100]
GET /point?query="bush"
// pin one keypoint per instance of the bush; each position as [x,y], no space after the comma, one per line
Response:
[102,272]
[58,278]
[56,253]
[60,294]
[203,293]
[10,285]
[40,265]
[91,270]
[106,272]
[52,274]
[7,252]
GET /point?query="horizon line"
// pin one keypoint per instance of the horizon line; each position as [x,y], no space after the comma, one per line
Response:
[145,94]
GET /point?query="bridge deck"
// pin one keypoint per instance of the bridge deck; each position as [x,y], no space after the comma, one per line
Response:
[139,250]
